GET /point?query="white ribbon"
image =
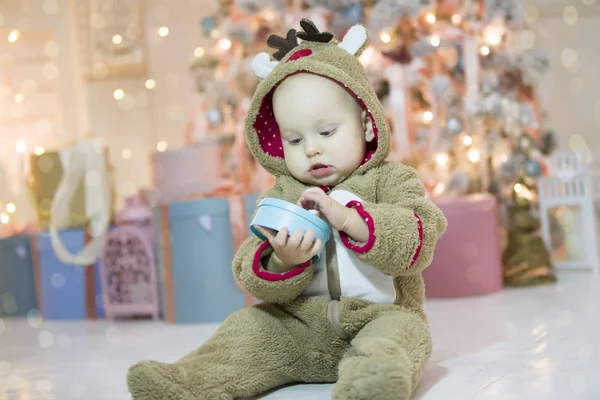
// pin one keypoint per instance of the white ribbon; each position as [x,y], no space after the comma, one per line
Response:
[471,67]
[85,160]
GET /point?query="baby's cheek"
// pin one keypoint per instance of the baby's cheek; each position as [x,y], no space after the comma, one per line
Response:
[293,162]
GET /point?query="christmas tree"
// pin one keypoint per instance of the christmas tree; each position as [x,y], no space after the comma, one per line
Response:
[457,79]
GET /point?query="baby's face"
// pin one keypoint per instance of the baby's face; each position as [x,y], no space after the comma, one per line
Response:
[322,128]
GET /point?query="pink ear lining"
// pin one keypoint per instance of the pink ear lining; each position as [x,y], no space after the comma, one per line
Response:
[267,129]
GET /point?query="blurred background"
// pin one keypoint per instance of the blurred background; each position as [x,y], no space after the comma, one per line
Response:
[126,185]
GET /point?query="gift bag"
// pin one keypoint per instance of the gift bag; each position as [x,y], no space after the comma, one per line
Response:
[46,173]
[85,161]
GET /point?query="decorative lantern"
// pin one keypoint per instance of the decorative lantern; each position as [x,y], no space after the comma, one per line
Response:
[127,267]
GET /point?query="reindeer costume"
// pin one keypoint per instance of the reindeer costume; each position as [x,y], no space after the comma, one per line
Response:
[355,317]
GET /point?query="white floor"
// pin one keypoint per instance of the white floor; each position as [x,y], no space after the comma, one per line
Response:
[540,343]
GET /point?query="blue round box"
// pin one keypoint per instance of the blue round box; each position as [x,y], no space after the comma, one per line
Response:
[277,214]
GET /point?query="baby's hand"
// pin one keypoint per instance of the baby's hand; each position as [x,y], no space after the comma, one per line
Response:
[289,252]
[333,212]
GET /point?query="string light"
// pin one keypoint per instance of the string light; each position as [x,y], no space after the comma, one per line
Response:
[161,146]
[118,94]
[21,146]
[150,84]
[484,50]
[366,56]
[38,151]
[4,218]
[198,52]
[456,19]
[19,97]
[385,37]
[518,188]
[163,31]
[225,44]
[13,36]
[493,34]
[474,155]
[439,189]
[11,208]
[427,116]
[467,140]
[126,154]
[435,41]
[523,192]
[269,15]
[117,39]
[493,38]
[430,18]
[442,159]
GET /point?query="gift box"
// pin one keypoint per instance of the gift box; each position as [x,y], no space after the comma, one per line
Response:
[191,171]
[66,291]
[467,259]
[46,173]
[197,240]
[17,289]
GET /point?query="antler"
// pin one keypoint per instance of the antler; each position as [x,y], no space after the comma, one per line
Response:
[311,32]
[284,45]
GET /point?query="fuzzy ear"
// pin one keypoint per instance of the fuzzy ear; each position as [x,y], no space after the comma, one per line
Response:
[355,40]
[262,65]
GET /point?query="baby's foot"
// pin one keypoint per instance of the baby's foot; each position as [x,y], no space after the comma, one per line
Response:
[151,380]
[374,376]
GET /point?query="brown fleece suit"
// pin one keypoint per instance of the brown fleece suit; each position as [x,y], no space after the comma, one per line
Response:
[372,350]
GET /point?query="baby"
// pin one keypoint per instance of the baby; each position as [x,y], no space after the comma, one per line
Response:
[356,316]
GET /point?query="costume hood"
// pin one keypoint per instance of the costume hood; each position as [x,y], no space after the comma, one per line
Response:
[320,54]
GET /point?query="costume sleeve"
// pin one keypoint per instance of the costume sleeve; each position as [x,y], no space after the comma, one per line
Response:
[403,225]
[263,285]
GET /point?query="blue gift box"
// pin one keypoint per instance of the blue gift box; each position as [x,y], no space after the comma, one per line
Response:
[67,291]
[17,284]
[195,251]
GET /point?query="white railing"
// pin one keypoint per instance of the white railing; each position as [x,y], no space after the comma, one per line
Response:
[572,184]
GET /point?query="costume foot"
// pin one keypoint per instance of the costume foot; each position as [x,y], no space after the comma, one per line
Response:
[373,376]
[151,380]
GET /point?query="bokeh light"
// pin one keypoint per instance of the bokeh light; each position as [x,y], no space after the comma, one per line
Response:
[163,31]
[118,94]
[161,146]
[532,14]
[150,84]
[570,15]
[13,36]
[46,339]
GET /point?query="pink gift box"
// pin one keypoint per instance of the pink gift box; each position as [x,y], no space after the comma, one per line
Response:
[467,259]
[191,171]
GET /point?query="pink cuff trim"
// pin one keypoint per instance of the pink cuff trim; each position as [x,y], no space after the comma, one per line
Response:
[270,276]
[418,251]
[357,205]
